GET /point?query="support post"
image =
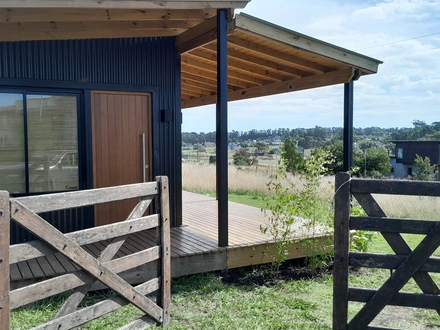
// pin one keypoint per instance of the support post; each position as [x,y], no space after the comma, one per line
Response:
[222,126]
[4,259]
[342,249]
[348,126]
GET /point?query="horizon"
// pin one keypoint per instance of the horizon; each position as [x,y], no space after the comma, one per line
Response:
[403,34]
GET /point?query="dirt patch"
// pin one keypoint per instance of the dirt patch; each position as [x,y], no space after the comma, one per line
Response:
[293,270]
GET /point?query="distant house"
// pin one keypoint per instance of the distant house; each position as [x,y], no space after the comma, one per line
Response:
[403,162]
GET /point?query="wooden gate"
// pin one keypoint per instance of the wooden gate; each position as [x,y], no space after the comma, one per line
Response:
[405,264]
[103,269]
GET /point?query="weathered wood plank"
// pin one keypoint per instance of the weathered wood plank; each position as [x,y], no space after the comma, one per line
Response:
[56,285]
[106,255]
[341,246]
[92,312]
[391,225]
[4,259]
[387,261]
[68,200]
[397,280]
[397,187]
[397,243]
[34,249]
[165,292]
[405,299]
[45,231]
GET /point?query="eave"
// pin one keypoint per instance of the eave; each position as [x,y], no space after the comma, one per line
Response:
[263,59]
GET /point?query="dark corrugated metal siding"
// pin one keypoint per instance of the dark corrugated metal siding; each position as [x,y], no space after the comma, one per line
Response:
[131,62]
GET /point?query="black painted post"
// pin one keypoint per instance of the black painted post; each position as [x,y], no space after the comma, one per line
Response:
[348,126]
[222,126]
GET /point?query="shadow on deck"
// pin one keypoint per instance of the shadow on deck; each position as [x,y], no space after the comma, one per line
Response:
[194,247]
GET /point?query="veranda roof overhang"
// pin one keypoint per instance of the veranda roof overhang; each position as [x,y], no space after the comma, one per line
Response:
[22,20]
[263,59]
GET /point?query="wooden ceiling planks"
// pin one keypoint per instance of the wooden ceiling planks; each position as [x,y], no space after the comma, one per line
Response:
[124,4]
[276,59]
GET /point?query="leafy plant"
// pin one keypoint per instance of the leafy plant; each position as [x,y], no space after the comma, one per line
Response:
[287,204]
[361,239]
[426,171]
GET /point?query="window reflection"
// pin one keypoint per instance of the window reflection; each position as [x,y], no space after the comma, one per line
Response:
[12,157]
[53,146]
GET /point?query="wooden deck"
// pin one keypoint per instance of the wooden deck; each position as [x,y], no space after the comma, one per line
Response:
[194,246]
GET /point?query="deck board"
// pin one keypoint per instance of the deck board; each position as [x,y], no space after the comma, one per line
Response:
[194,247]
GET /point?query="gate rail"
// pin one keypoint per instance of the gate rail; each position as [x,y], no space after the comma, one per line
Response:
[406,262]
[102,269]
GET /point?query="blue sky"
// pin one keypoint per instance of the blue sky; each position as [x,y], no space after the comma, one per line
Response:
[407,86]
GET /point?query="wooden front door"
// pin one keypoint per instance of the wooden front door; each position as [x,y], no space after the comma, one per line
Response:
[120,121]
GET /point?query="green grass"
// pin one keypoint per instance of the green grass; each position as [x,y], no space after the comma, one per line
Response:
[204,301]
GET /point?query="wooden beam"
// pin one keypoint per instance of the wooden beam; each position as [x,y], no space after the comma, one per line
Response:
[124,4]
[82,30]
[236,43]
[302,42]
[205,81]
[272,64]
[232,81]
[35,35]
[320,80]
[194,61]
[199,35]
[197,87]
[23,15]
[244,67]
[191,93]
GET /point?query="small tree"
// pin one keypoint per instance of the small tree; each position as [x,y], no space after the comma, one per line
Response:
[426,171]
[242,158]
[261,147]
[292,158]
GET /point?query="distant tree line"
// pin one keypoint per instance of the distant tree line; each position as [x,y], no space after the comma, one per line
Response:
[366,138]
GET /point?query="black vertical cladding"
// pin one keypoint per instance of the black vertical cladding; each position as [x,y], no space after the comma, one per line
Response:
[130,64]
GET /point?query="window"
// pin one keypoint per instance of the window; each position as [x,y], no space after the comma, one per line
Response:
[399,153]
[38,142]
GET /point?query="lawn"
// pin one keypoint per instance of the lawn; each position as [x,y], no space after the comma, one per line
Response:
[252,298]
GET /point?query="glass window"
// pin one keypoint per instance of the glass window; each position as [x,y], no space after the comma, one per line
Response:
[399,153]
[52,143]
[12,153]
[52,137]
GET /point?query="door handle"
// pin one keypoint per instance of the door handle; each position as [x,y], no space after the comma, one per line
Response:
[144,165]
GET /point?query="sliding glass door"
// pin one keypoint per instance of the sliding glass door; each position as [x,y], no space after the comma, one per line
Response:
[38,142]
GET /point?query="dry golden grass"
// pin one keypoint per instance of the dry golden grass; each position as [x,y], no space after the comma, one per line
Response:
[410,207]
[201,177]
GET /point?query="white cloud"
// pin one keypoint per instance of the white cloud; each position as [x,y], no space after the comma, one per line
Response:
[407,86]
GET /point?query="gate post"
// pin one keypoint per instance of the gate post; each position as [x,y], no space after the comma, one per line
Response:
[4,259]
[341,247]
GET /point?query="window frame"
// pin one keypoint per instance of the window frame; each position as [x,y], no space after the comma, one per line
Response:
[79,94]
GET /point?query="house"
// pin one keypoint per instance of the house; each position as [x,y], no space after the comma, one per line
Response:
[105,82]
[405,153]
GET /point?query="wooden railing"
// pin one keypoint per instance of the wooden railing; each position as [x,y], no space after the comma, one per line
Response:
[405,264]
[102,269]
